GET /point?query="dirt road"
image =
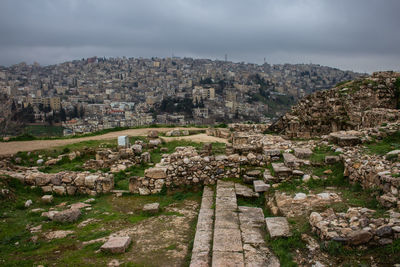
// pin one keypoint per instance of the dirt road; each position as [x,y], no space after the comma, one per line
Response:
[14,147]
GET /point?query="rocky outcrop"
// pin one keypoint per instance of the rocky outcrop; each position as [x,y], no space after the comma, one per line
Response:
[365,102]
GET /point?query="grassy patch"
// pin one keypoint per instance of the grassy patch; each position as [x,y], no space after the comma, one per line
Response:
[284,247]
[321,152]
[112,214]
[384,146]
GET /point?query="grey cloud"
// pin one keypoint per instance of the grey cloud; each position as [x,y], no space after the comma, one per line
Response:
[354,34]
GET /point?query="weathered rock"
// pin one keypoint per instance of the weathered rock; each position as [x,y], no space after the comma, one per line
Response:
[331,159]
[28,203]
[47,199]
[156,173]
[137,149]
[58,234]
[90,181]
[49,214]
[153,134]
[59,190]
[277,227]
[260,186]
[253,173]
[244,191]
[152,208]
[67,216]
[384,231]
[145,157]
[359,237]
[116,244]
[302,153]
[154,143]
[281,170]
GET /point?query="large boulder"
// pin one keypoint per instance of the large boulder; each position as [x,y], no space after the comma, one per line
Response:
[67,216]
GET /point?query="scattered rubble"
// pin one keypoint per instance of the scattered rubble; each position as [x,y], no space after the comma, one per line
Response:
[357,226]
[300,203]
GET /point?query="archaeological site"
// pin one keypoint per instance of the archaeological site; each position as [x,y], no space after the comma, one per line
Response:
[320,186]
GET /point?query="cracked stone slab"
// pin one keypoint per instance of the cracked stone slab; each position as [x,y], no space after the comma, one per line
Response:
[117,244]
[259,255]
[226,192]
[200,259]
[224,259]
[205,220]
[226,219]
[281,170]
[208,192]
[227,240]
[251,214]
[245,191]
[202,241]
[225,203]
[277,227]
[260,186]
[207,202]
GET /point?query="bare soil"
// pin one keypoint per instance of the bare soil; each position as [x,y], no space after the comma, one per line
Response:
[14,147]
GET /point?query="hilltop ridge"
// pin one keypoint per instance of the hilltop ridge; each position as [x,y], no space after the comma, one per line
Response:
[360,103]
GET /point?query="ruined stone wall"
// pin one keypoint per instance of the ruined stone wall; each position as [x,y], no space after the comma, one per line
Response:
[361,103]
[219,132]
[374,172]
[67,182]
[254,128]
[186,167]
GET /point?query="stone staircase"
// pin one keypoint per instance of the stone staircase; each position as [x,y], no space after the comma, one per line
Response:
[235,237]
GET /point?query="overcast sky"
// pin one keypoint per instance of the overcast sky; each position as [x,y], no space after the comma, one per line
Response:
[359,35]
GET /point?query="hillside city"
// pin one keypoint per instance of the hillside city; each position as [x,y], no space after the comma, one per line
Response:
[100,93]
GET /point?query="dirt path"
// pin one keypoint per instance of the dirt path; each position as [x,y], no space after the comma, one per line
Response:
[14,147]
[200,138]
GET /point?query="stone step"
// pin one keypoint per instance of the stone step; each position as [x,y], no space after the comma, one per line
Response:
[260,186]
[227,241]
[302,153]
[252,227]
[281,170]
[293,162]
[245,191]
[201,253]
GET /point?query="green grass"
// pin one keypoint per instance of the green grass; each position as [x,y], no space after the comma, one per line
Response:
[285,247]
[321,152]
[112,213]
[384,146]
[44,130]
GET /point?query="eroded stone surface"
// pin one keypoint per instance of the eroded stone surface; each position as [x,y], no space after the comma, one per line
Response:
[116,244]
[277,227]
[245,191]
[260,186]
[70,215]
[152,208]
[223,259]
